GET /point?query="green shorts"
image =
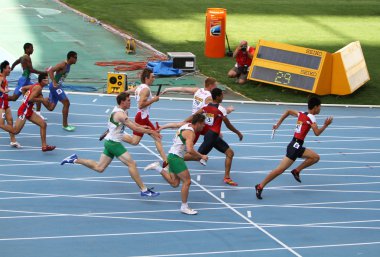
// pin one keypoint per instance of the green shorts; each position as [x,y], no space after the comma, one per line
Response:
[176,164]
[112,148]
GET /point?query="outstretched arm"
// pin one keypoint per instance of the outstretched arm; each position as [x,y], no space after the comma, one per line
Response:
[29,65]
[17,62]
[317,131]
[189,137]
[232,128]
[122,117]
[284,116]
[171,125]
[190,90]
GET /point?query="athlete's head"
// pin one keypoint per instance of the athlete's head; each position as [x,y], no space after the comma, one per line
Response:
[217,95]
[198,122]
[314,105]
[123,100]
[43,79]
[72,57]
[28,48]
[210,83]
[147,76]
[5,68]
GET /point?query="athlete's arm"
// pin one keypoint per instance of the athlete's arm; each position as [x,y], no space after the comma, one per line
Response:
[284,116]
[25,89]
[171,125]
[189,137]
[188,119]
[317,131]
[57,68]
[122,117]
[190,90]
[144,102]
[28,64]
[232,128]
[17,62]
[36,95]
[2,90]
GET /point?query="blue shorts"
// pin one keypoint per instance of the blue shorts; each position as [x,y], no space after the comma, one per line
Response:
[22,82]
[56,94]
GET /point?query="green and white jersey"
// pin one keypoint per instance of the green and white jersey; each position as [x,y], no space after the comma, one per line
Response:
[179,143]
[116,129]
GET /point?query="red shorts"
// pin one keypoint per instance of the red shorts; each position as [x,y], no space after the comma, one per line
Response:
[26,111]
[142,122]
[4,102]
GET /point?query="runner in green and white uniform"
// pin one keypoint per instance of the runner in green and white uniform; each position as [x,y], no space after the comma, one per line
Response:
[181,150]
[113,147]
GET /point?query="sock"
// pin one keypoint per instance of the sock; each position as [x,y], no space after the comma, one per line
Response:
[184,205]
[144,189]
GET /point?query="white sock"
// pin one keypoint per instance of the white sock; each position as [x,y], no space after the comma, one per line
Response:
[184,205]
[144,189]
[159,169]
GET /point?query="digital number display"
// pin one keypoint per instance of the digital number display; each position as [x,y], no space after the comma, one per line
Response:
[282,77]
[293,58]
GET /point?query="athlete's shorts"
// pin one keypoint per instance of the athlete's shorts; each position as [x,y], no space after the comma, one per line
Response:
[212,140]
[142,122]
[112,148]
[22,82]
[295,149]
[176,164]
[4,104]
[56,94]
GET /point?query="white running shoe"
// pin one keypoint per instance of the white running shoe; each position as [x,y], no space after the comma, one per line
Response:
[203,162]
[40,114]
[153,166]
[187,210]
[15,144]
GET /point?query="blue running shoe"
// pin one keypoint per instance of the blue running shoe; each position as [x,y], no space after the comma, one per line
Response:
[150,193]
[69,159]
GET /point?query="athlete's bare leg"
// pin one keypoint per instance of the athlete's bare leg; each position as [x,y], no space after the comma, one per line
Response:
[100,166]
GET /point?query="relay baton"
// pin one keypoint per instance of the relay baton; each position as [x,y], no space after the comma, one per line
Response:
[159,89]
[273,132]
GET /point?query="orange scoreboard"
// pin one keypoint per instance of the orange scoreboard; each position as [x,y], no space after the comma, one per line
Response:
[293,67]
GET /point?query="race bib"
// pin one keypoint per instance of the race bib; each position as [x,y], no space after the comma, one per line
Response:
[298,127]
[296,145]
[209,119]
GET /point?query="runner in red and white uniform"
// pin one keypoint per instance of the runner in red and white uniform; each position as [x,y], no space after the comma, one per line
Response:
[295,149]
[216,114]
[5,111]
[144,100]
[25,111]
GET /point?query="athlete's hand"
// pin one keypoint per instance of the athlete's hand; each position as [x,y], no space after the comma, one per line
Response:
[275,126]
[146,127]
[240,135]
[155,99]
[156,136]
[6,90]
[230,109]
[328,121]
[204,157]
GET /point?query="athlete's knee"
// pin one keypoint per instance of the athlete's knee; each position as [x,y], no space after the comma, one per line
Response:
[175,183]
[316,158]
[131,163]
[230,153]
[99,168]
[187,182]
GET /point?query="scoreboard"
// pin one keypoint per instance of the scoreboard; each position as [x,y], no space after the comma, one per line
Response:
[293,67]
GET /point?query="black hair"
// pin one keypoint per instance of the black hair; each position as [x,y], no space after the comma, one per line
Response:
[3,65]
[42,76]
[216,92]
[198,118]
[71,54]
[27,45]
[145,74]
[122,97]
[313,101]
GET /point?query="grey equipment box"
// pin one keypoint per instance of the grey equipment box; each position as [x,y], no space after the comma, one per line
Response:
[182,60]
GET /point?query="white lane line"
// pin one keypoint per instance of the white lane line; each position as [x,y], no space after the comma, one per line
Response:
[22,6]
[96,99]
[237,212]
[107,111]
[39,16]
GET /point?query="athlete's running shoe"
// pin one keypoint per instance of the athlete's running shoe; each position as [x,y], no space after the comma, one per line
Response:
[187,210]
[296,175]
[48,148]
[230,182]
[70,159]
[153,166]
[15,144]
[258,191]
[150,193]
[69,128]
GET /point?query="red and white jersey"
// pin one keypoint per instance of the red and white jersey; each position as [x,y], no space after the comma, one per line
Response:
[4,96]
[214,114]
[199,100]
[304,122]
[26,108]
[144,111]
